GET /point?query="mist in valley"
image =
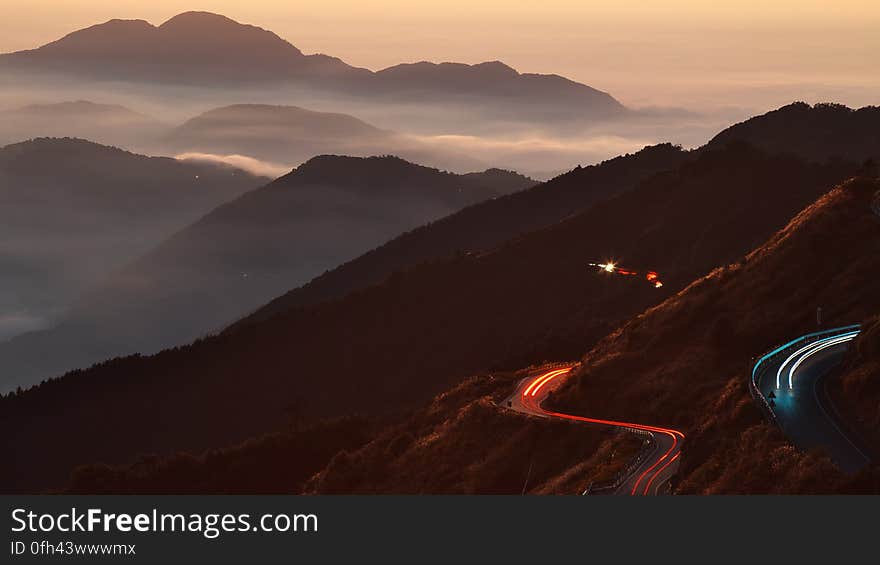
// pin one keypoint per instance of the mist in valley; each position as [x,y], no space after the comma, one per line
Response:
[457,134]
[110,243]
[72,212]
[260,242]
[265,131]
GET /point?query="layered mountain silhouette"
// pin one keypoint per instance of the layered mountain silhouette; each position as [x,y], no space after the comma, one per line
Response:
[490,223]
[483,226]
[189,48]
[204,49]
[277,137]
[394,345]
[74,211]
[678,364]
[245,252]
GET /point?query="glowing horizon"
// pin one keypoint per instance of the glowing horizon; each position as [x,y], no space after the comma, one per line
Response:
[679,53]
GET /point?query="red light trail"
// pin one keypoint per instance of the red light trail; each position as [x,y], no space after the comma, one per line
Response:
[531,402]
[612,267]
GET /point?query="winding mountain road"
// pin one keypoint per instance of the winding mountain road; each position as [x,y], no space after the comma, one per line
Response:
[645,478]
[790,380]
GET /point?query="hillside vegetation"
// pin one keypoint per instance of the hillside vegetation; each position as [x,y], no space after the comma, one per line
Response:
[397,344]
[683,363]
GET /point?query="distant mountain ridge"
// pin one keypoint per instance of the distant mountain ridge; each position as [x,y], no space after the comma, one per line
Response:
[82,107]
[392,346]
[110,124]
[279,136]
[237,115]
[72,211]
[244,253]
[205,48]
[204,45]
[523,298]
[283,134]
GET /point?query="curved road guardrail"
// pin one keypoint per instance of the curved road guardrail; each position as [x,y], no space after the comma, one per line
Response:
[787,381]
[766,361]
[613,485]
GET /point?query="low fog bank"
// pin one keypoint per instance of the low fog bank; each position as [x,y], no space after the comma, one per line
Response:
[537,153]
[541,158]
[72,211]
[244,253]
[16,323]
[243,162]
[457,135]
[48,262]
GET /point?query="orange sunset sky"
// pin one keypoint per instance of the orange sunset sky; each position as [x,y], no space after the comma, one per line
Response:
[746,53]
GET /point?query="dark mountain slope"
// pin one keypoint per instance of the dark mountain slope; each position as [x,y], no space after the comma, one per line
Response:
[856,391]
[489,223]
[683,363]
[691,354]
[275,463]
[462,443]
[484,225]
[456,429]
[73,211]
[819,132]
[398,343]
[245,252]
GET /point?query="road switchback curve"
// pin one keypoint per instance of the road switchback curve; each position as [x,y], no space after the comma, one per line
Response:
[650,472]
[789,383]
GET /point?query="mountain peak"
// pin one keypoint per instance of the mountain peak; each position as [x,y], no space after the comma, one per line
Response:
[447,69]
[197,18]
[121,24]
[200,38]
[204,48]
[218,32]
[77,106]
[497,66]
[357,170]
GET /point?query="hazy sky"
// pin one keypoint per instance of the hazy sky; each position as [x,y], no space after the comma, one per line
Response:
[695,53]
